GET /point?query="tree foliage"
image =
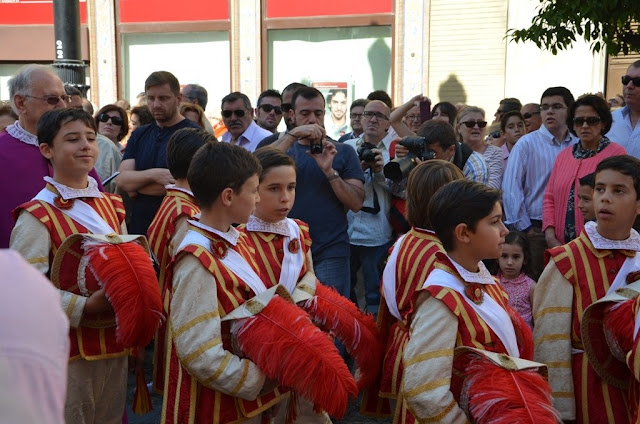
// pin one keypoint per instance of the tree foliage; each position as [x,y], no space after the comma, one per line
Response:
[603,23]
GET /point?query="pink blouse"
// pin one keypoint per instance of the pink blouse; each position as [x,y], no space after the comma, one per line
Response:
[518,290]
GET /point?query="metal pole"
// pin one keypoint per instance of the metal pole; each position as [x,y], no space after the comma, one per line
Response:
[68,58]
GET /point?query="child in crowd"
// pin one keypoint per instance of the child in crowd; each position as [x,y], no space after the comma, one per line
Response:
[512,127]
[410,262]
[585,197]
[513,278]
[461,306]
[579,273]
[71,204]
[170,223]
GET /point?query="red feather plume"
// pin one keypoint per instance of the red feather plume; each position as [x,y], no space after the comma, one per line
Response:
[618,323]
[497,395]
[287,347]
[126,273]
[357,331]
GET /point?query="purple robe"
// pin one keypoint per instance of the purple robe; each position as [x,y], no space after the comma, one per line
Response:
[22,168]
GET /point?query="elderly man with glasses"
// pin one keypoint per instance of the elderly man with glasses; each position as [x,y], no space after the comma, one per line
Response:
[531,114]
[34,90]
[237,115]
[625,129]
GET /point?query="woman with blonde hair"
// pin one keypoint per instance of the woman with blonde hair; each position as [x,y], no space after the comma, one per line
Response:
[193,113]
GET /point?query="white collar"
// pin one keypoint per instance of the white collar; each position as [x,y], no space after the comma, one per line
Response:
[68,193]
[599,242]
[173,187]
[281,227]
[483,276]
[383,144]
[16,131]
[230,236]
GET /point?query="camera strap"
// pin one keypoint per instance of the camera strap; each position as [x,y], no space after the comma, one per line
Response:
[376,204]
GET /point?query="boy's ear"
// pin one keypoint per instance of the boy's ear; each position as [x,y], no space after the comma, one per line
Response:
[461,233]
[45,150]
[227,196]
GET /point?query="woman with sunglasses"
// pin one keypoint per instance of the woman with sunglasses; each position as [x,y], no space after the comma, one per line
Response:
[589,119]
[113,123]
[470,127]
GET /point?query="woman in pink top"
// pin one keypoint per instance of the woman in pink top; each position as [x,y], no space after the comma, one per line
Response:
[589,118]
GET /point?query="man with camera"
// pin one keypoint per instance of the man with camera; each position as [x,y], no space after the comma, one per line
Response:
[370,232]
[330,181]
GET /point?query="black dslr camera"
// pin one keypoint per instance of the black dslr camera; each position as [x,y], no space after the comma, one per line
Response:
[365,152]
[399,168]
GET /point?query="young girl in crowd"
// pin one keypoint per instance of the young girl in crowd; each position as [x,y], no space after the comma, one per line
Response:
[513,278]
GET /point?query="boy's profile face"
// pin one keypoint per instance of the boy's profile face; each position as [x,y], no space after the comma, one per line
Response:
[74,151]
[277,193]
[487,240]
[244,200]
[616,204]
[585,203]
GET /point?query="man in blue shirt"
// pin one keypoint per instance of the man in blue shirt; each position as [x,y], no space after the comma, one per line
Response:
[143,171]
[625,129]
[329,183]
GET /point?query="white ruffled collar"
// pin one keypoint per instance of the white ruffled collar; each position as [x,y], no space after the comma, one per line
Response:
[173,187]
[599,242]
[16,131]
[483,276]
[230,236]
[281,227]
[68,193]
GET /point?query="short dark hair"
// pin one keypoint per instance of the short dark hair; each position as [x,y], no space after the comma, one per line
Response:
[293,86]
[181,147]
[438,132]
[217,166]
[446,108]
[460,202]
[588,180]
[358,103]
[236,95]
[268,93]
[624,164]
[270,157]
[520,239]
[636,64]
[509,115]
[144,114]
[559,91]
[70,90]
[381,95]
[599,104]
[510,103]
[199,93]
[50,123]
[124,128]
[161,78]
[306,93]
[423,182]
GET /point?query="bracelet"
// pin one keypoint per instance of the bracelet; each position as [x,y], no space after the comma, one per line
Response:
[334,176]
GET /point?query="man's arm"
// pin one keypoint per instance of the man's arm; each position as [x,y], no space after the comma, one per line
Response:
[349,191]
[398,113]
[513,188]
[149,181]
[303,132]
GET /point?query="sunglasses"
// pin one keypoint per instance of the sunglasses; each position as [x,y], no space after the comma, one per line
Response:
[238,112]
[591,121]
[115,120]
[529,115]
[471,124]
[267,108]
[286,107]
[627,79]
[52,100]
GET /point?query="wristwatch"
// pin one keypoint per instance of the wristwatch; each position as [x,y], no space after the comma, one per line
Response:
[333,176]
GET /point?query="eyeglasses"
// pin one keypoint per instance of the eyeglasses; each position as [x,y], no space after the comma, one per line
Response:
[627,79]
[555,106]
[268,108]
[356,115]
[471,124]
[529,115]
[286,107]
[115,120]
[238,112]
[591,121]
[52,100]
[368,114]
[413,117]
